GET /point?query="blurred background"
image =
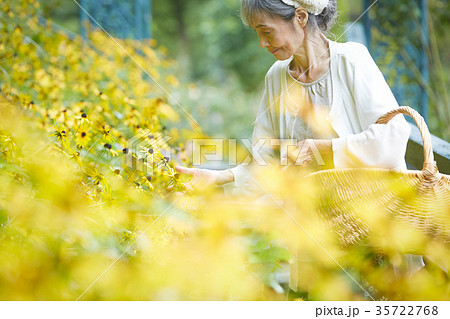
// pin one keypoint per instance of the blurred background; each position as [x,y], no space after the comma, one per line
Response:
[221,67]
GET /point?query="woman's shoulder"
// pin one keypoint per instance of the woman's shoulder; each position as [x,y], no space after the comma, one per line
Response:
[278,69]
[348,47]
[352,52]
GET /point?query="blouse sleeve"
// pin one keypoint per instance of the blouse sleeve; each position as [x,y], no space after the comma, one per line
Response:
[378,145]
[263,153]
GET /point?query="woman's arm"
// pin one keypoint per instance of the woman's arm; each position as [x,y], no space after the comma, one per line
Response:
[314,152]
[207,177]
[378,145]
[263,152]
[263,131]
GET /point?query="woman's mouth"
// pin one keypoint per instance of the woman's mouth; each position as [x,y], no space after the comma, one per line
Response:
[274,51]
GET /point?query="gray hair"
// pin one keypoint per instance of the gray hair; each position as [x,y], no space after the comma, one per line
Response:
[278,9]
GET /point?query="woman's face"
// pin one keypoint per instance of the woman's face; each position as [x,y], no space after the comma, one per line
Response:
[281,38]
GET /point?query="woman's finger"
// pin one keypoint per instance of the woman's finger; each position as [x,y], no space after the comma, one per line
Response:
[185,170]
[204,177]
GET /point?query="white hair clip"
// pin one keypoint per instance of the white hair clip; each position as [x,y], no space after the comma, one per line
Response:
[312,6]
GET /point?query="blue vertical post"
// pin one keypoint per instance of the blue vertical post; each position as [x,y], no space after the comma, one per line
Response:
[122,18]
[424,58]
[148,18]
[84,19]
[143,19]
[138,18]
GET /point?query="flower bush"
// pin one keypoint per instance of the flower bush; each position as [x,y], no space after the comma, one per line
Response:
[70,204]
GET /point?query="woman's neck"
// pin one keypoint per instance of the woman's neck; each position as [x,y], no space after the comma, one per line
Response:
[312,60]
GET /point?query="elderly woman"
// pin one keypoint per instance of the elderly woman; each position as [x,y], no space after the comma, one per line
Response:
[324,94]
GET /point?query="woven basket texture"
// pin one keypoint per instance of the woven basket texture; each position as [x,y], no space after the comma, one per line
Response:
[357,201]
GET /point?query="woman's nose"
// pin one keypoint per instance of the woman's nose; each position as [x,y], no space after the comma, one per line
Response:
[263,42]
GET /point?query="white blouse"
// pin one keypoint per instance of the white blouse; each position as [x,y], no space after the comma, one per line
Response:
[343,105]
[318,96]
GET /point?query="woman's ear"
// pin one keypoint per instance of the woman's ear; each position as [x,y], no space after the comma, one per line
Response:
[301,15]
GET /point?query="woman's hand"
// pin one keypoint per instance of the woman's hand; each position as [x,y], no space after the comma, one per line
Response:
[312,152]
[207,177]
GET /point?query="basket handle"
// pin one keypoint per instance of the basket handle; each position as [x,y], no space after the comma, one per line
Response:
[429,165]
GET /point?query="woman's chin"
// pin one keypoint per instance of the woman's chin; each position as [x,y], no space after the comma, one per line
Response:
[281,57]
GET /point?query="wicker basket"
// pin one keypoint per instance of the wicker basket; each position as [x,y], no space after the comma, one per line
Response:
[418,201]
